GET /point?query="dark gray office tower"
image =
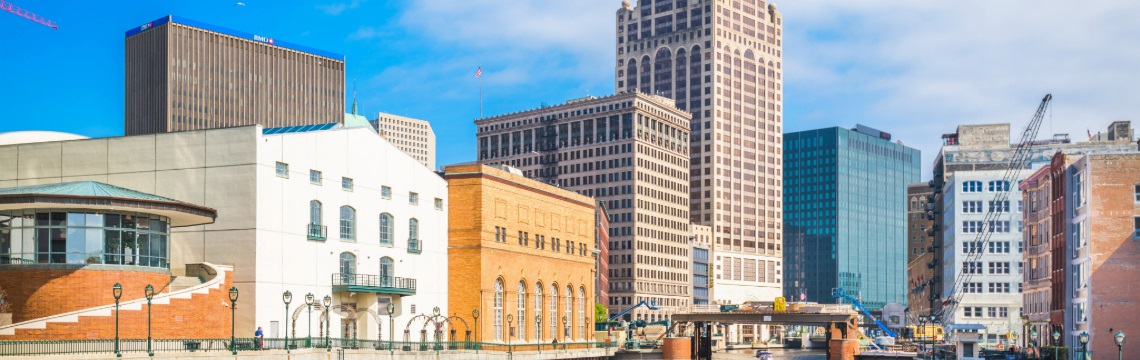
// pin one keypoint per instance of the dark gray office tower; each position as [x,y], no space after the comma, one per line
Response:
[187,75]
[845,214]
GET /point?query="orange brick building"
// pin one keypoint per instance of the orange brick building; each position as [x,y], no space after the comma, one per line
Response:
[521,253]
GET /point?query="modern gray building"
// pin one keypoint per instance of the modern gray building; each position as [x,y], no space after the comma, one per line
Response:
[845,214]
[183,75]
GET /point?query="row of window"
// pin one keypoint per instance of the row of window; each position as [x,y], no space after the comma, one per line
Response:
[569,320]
[556,244]
[974,186]
[347,184]
[975,226]
[994,287]
[995,268]
[994,312]
[975,207]
[995,247]
[348,224]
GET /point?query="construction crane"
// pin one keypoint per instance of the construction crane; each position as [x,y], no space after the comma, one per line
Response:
[838,294]
[1019,161]
[649,305]
[12,8]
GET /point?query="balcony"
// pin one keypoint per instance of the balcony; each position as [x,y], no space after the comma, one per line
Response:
[415,246]
[318,232]
[377,284]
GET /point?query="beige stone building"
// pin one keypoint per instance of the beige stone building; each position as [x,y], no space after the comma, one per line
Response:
[720,61]
[630,151]
[521,253]
[415,137]
[183,75]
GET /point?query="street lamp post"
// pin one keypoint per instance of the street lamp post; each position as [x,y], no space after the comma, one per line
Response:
[1084,339]
[233,311]
[566,331]
[1119,339]
[149,297]
[510,331]
[287,297]
[309,303]
[117,292]
[475,314]
[391,326]
[327,302]
[1056,338]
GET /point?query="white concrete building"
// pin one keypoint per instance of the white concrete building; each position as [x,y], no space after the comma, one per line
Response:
[276,192]
[991,296]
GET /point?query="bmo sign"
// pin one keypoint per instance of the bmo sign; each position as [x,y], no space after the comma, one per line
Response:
[259,38]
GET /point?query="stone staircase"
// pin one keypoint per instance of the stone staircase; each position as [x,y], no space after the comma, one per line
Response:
[184,282]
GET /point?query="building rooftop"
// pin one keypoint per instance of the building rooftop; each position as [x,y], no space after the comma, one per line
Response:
[267,40]
[83,188]
[102,197]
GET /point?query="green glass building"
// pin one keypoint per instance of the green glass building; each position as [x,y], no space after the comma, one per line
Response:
[845,215]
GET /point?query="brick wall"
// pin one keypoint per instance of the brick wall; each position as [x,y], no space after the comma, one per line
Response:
[201,316]
[1114,293]
[37,293]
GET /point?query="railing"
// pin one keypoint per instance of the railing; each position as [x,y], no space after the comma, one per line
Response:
[414,246]
[318,232]
[373,281]
[223,345]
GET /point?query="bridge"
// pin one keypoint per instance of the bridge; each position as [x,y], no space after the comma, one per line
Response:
[841,325]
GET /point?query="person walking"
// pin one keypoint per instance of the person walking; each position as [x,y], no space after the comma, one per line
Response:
[259,337]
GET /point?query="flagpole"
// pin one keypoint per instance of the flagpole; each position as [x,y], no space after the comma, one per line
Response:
[480,91]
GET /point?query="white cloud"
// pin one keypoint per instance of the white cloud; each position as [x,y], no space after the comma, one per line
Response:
[338,8]
[918,69]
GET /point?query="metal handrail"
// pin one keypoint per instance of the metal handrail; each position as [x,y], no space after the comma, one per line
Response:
[415,245]
[318,232]
[373,281]
[223,345]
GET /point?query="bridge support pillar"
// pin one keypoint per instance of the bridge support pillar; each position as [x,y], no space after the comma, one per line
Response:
[842,340]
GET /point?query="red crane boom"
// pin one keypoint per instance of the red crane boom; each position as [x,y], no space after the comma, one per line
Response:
[9,7]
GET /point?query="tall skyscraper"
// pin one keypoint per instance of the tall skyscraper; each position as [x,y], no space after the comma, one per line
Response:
[414,136]
[631,152]
[187,75]
[846,214]
[721,62]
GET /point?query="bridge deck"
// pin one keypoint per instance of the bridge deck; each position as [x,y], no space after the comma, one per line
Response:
[765,317]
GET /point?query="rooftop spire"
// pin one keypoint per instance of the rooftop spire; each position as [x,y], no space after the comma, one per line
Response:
[354,97]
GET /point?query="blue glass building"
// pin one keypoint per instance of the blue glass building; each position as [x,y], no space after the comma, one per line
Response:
[845,215]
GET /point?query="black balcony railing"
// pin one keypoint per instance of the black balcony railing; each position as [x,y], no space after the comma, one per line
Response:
[373,281]
[415,246]
[318,232]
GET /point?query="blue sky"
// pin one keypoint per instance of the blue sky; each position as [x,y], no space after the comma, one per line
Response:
[914,69]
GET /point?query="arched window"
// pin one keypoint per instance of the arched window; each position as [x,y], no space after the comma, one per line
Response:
[972,186]
[581,313]
[567,312]
[387,271]
[315,212]
[347,223]
[553,311]
[387,230]
[538,311]
[521,306]
[347,268]
[498,309]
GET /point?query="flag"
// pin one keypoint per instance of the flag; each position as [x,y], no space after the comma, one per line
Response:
[803,296]
[1090,133]
[479,72]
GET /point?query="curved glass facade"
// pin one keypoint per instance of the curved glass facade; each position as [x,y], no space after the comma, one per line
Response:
[83,237]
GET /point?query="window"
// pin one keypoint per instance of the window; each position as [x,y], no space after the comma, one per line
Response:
[1004,312]
[999,247]
[999,206]
[386,192]
[992,312]
[438,204]
[314,212]
[1001,288]
[972,288]
[521,307]
[346,184]
[999,268]
[282,170]
[347,223]
[413,229]
[413,198]
[347,265]
[581,312]
[999,186]
[566,312]
[972,207]
[1136,193]
[999,226]
[500,234]
[314,177]
[553,311]
[498,309]
[1136,227]
[538,311]
[971,227]
[972,186]
[972,267]
[387,230]
[970,247]
[387,271]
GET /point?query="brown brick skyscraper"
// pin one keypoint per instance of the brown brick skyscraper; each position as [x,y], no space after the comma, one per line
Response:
[186,75]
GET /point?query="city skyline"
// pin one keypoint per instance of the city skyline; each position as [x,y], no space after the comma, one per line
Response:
[851,57]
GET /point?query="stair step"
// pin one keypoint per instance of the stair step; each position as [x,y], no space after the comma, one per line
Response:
[184,282]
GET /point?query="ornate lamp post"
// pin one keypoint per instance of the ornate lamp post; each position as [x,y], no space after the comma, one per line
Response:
[327,302]
[566,331]
[391,326]
[475,314]
[1056,338]
[117,292]
[1119,339]
[149,296]
[309,303]
[510,331]
[1084,339]
[287,297]
[233,311]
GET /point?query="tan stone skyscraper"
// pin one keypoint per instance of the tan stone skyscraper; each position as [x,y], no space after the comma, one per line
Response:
[721,61]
